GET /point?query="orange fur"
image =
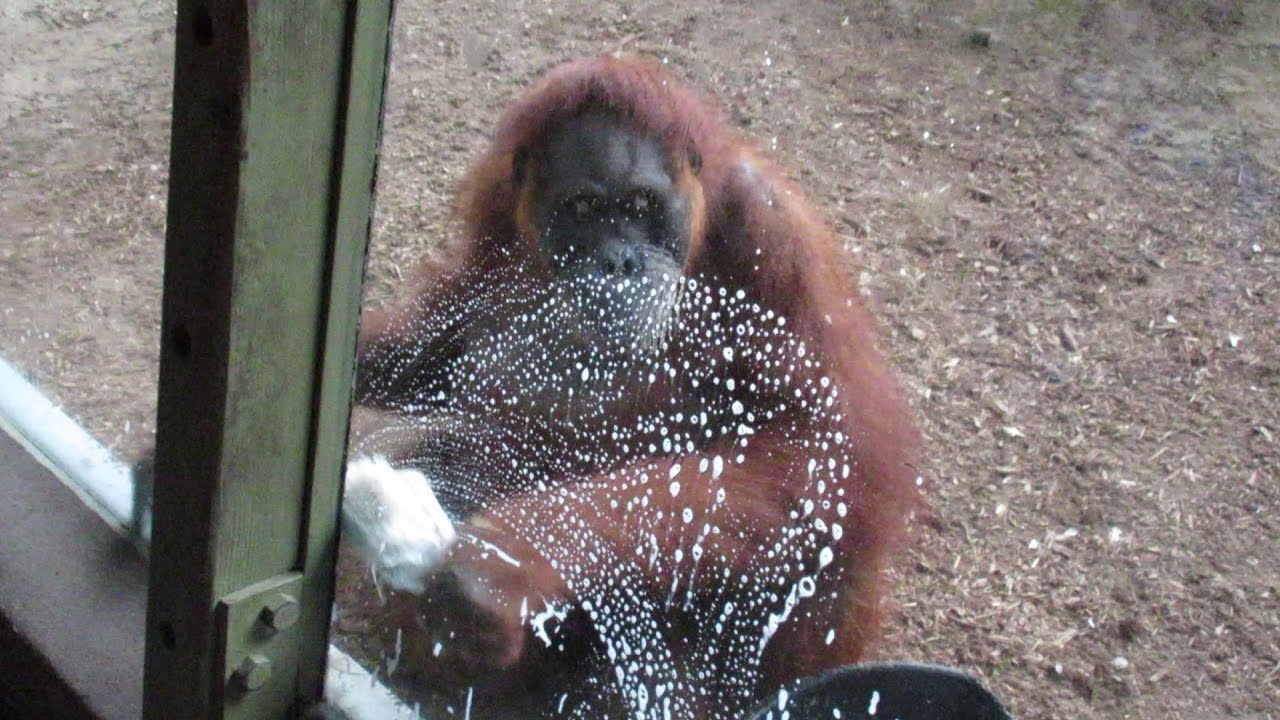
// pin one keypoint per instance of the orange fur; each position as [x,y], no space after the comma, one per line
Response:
[751,229]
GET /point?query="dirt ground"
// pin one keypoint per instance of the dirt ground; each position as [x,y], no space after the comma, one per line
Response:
[1065,215]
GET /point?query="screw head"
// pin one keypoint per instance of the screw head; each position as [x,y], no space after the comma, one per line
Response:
[281,612]
[253,673]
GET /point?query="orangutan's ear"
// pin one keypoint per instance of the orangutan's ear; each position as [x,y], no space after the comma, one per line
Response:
[695,159]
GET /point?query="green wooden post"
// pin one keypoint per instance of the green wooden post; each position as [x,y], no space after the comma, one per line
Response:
[276,119]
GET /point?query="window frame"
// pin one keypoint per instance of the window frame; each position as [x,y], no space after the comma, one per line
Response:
[276,124]
[276,128]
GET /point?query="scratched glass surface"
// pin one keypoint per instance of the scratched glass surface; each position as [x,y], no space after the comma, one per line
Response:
[546,424]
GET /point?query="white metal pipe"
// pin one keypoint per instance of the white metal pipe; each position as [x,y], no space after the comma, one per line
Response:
[65,448]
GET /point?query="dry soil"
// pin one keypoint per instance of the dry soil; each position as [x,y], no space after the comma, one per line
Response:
[1064,213]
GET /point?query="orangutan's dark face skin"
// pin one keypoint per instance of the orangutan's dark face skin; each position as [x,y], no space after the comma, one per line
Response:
[606,202]
[612,223]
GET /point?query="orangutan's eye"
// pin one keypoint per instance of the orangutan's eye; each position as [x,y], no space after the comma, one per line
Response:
[642,203]
[582,207]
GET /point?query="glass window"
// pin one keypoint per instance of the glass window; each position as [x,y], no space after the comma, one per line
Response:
[85,110]
[633,453]
[1060,218]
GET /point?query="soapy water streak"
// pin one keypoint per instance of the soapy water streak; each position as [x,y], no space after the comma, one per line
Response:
[547,403]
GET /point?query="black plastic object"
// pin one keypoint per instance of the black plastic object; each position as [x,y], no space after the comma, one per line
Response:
[892,691]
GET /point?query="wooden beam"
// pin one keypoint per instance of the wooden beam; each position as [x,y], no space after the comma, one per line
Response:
[276,119]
